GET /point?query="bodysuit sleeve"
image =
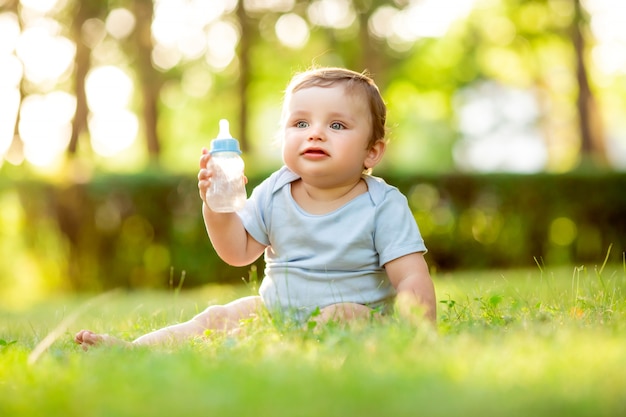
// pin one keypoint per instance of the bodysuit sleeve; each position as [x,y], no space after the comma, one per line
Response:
[396,232]
[253,215]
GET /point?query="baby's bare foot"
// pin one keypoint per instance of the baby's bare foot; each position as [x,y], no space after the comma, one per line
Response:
[87,338]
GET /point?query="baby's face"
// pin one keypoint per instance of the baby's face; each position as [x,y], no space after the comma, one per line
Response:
[326,134]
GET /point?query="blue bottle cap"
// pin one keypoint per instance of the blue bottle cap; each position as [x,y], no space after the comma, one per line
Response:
[225,145]
[224,142]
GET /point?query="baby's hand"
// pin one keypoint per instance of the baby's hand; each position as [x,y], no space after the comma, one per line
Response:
[204,175]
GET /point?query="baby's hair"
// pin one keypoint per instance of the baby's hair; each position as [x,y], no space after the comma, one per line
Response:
[354,81]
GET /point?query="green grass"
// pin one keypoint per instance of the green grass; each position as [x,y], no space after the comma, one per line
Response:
[541,342]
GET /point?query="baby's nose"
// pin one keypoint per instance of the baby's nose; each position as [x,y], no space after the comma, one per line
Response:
[316,132]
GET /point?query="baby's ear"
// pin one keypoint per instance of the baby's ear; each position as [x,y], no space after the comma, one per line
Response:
[375,154]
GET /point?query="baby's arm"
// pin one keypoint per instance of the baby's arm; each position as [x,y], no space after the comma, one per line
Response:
[410,277]
[229,238]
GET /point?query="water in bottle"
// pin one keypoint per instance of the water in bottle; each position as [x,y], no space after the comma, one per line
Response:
[227,192]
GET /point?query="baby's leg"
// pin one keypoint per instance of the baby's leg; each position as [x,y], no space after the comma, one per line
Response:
[224,318]
[344,313]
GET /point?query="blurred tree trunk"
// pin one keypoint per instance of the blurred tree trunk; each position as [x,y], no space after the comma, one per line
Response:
[247,31]
[15,153]
[149,78]
[82,64]
[590,124]
[373,57]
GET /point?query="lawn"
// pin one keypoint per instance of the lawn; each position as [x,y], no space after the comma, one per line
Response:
[538,342]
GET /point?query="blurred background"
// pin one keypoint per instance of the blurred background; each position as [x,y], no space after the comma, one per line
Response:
[506,126]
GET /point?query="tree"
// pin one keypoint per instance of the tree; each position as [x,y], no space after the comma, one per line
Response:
[247,30]
[593,150]
[82,11]
[150,80]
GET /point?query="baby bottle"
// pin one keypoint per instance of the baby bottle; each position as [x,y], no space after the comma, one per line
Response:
[227,192]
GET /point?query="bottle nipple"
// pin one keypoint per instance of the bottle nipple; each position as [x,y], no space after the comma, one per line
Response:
[224,142]
[224,132]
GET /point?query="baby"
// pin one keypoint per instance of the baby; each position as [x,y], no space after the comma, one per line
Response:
[339,243]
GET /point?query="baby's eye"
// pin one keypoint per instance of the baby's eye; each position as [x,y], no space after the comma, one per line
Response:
[337,126]
[302,124]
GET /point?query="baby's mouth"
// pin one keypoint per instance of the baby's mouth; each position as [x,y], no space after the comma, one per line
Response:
[314,151]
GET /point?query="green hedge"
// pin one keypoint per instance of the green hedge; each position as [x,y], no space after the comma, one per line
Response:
[147,231]
[497,221]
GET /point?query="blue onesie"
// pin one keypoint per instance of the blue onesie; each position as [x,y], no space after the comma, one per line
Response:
[317,260]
